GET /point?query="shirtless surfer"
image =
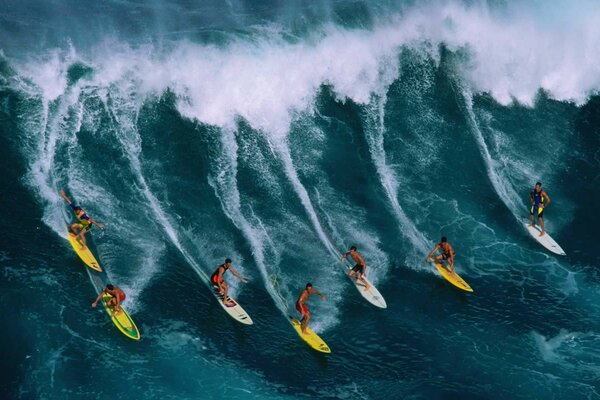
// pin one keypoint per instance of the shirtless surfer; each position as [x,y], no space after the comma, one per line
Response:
[446,256]
[84,222]
[301,304]
[117,296]
[360,268]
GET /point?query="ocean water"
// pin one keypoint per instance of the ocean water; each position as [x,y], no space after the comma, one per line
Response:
[279,133]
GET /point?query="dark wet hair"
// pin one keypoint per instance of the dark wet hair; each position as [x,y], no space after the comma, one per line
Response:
[308,285]
[110,287]
[228,261]
[77,208]
[538,184]
[444,239]
[353,248]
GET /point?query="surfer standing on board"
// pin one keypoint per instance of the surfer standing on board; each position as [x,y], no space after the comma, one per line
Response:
[301,304]
[539,201]
[447,255]
[360,268]
[217,278]
[84,222]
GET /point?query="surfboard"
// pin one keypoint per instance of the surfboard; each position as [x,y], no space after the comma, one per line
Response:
[86,255]
[546,240]
[372,294]
[232,308]
[453,278]
[310,337]
[122,320]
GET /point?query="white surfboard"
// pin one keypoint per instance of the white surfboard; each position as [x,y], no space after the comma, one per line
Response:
[372,294]
[232,308]
[545,240]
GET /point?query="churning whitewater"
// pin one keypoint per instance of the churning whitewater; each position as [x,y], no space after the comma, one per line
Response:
[278,135]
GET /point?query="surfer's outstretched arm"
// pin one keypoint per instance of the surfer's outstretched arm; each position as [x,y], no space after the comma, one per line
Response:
[315,291]
[64,196]
[97,299]
[237,275]
[431,252]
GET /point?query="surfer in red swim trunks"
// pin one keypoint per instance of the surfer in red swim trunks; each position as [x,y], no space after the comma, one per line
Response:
[217,278]
[117,297]
[301,305]
[446,257]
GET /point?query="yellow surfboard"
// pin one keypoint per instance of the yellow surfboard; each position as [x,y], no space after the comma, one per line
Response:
[122,320]
[86,255]
[453,278]
[310,337]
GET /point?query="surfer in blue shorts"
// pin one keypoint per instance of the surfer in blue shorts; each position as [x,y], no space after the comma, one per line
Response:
[84,222]
[539,202]
[359,270]
[446,257]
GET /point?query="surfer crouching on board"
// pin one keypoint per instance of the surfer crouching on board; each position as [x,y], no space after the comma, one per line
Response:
[217,278]
[117,296]
[301,304]
[360,268]
[447,256]
[539,201]
[84,222]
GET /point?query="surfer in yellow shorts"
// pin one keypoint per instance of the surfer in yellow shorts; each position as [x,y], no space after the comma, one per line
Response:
[359,270]
[84,222]
[301,304]
[446,257]
[117,297]
[539,202]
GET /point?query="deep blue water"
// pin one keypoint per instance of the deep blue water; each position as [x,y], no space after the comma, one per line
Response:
[278,134]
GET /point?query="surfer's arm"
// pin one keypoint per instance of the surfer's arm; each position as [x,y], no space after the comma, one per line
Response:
[64,196]
[235,273]
[98,224]
[97,299]
[345,255]
[547,199]
[315,291]
[431,252]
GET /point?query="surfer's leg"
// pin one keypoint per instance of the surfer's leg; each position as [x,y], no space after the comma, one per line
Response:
[82,236]
[75,229]
[542,225]
[224,289]
[364,281]
[304,322]
[532,218]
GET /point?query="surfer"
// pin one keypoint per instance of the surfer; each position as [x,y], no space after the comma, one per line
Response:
[360,268]
[301,304]
[117,296]
[217,278]
[84,222]
[539,202]
[447,255]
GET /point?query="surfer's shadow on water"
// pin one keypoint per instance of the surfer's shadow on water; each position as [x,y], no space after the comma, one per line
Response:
[442,291]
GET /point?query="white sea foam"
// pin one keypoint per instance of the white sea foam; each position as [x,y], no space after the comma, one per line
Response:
[224,183]
[374,131]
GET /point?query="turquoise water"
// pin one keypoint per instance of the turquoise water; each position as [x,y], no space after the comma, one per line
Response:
[278,134]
